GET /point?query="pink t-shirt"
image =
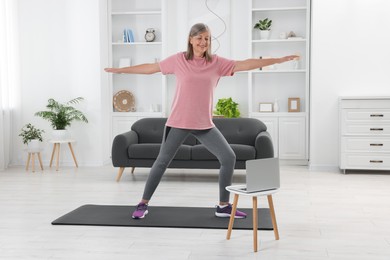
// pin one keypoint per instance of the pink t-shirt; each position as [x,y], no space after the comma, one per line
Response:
[196,79]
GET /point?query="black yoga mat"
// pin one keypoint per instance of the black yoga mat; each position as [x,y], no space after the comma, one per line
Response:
[169,217]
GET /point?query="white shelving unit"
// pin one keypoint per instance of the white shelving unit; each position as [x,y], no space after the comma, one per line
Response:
[289,130]
[149,91]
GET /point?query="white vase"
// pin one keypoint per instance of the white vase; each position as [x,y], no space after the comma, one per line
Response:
[34,145]
[60,135]
[264,34]
[276,106]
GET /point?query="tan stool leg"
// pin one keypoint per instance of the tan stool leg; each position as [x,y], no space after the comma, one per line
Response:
[52,154]
[28,161]
[58,156]
[132,169]
[40,160]
[231,221]
[273,216]
[255,221]
[74,157]
[118,177]
[33,162]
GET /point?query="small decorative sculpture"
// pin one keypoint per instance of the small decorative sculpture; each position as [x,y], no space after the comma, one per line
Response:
[291,34]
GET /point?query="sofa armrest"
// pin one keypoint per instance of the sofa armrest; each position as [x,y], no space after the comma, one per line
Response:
[264,146]
[120,146]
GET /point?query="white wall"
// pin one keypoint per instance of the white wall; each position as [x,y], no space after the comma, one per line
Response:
[350,56]
[63,54]
[61,58]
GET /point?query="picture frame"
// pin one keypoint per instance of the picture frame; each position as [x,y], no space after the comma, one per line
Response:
[124,62]
[294,104]
[266,107]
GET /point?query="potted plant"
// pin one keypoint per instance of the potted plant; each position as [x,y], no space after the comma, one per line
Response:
[264,26]
[61,115]
[227,108]
[31,136]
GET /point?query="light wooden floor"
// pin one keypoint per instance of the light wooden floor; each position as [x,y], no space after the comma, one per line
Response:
[321,215]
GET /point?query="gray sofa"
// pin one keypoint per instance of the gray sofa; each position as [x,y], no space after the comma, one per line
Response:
[140,146]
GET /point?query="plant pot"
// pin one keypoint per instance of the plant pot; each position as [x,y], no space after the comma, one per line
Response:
[264,35]
[60,135]
[34,145]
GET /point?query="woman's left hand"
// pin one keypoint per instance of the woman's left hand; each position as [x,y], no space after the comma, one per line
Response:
[290,58]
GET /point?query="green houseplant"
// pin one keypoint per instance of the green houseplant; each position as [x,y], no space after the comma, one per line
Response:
[29,132]
[61,115]
[264,26]
[227,107]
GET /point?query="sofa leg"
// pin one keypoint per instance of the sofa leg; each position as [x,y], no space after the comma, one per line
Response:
[118,177]
[132,169]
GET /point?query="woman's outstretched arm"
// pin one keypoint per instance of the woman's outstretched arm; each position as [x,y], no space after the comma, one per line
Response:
[147,68]
[251,64]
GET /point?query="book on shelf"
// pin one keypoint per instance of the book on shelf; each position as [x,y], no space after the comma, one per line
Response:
[128,35]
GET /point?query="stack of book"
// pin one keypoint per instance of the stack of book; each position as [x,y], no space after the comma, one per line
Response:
[128,35]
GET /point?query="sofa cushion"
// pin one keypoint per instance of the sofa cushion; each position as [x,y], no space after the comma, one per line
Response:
[240,130]
[150,151]
[151,130]
[243,152]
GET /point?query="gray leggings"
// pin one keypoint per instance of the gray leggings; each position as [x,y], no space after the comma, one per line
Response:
[211,138]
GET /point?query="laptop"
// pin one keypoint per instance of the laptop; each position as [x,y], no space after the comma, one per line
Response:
[261,175]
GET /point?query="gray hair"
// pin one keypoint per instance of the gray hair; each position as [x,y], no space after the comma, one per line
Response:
[197,29]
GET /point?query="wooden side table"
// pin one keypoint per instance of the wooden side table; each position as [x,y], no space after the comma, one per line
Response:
[56,147]
[254,195]
[31,156]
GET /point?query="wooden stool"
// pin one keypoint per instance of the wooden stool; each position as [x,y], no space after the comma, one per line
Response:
[57,144]
[31,156]
[254,195]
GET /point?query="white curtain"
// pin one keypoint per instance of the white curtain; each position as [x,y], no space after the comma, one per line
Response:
[8,75]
